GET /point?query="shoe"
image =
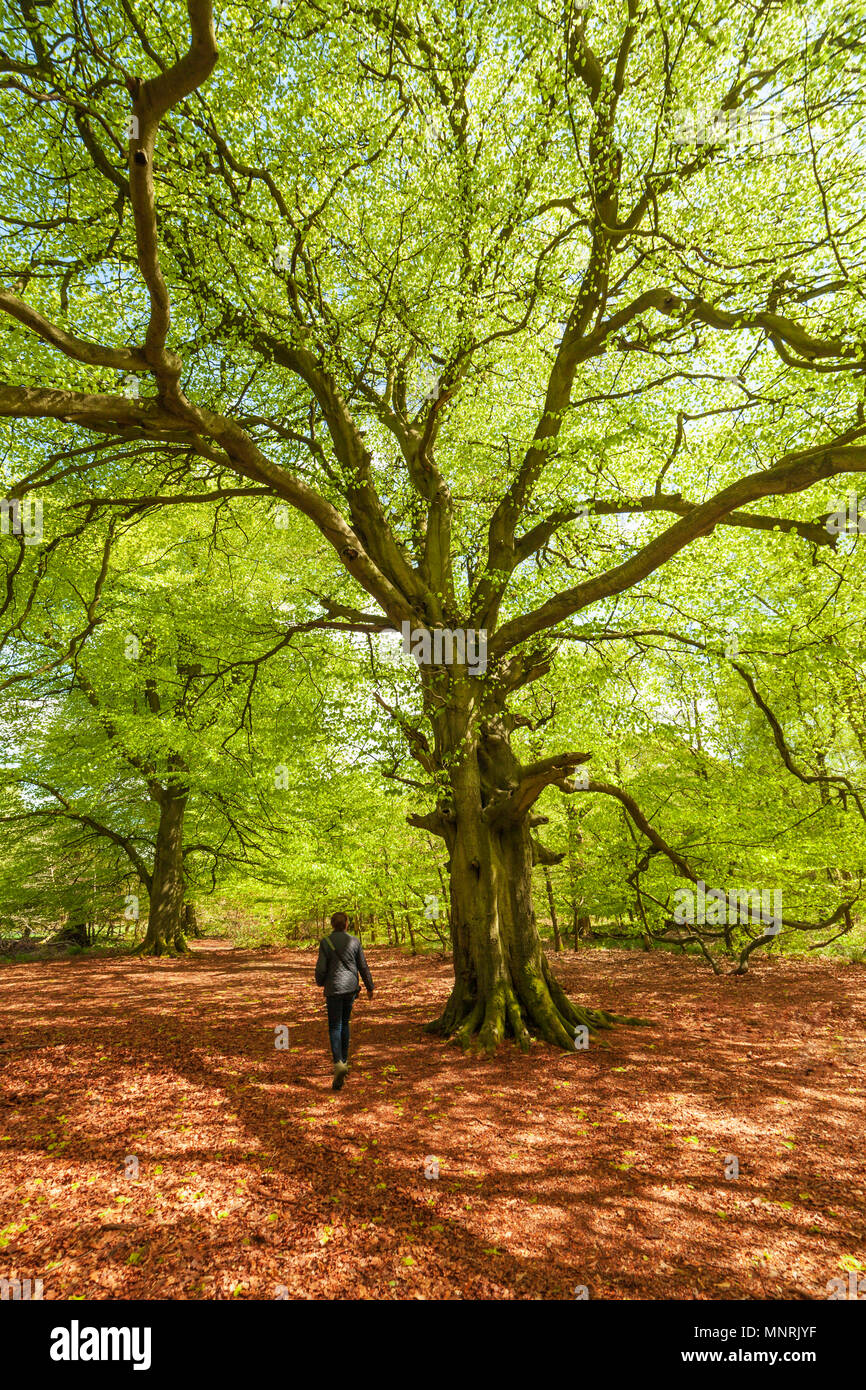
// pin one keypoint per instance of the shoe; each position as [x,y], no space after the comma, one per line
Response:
[340,1070]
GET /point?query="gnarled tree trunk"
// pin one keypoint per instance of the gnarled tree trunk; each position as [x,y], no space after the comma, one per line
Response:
[503,984]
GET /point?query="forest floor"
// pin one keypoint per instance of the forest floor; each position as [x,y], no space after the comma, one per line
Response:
[156,1144]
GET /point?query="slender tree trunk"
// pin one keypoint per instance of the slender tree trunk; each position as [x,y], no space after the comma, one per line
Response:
[580,922]
[408,916]
[165,935]
[548,883]
[443,939]
[445,894]
[190,919]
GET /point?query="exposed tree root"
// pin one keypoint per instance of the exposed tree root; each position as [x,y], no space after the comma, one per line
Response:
[173,946]
[540,1009]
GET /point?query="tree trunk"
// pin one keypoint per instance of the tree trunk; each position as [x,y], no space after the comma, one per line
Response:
[580,922]
[73,933]
[548,883]
[408,916]
[165,922]
[190,919]
[502,981]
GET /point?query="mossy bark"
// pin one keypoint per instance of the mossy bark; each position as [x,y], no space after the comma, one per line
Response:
[503,985]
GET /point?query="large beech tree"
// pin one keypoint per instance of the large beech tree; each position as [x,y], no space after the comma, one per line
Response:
[454,284]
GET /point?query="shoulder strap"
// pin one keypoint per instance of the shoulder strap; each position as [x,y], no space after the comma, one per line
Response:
[349,965]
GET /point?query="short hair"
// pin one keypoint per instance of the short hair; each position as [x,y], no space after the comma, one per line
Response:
[339,921]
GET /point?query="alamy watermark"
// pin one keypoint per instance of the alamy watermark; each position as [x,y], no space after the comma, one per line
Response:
[445,646]
[743,129]
[848,515]
[77,1343]
[732,641]
[702,906]
[855,1287]
[22,519]
[430,387]
[20,1290]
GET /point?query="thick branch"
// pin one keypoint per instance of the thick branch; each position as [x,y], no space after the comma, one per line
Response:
[795,473]
[513,803]
[151,101]
[94,354]
[532,541]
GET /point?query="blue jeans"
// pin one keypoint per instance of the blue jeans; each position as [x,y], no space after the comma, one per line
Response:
[339,1011]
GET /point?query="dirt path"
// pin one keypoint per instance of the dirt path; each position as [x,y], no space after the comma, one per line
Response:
[604,1169]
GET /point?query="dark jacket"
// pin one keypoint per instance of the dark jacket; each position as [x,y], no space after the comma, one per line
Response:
[330,971]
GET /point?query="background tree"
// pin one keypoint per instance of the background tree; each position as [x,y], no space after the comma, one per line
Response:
[134,699]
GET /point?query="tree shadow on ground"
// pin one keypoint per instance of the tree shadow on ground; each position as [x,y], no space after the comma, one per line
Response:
[603,1168]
